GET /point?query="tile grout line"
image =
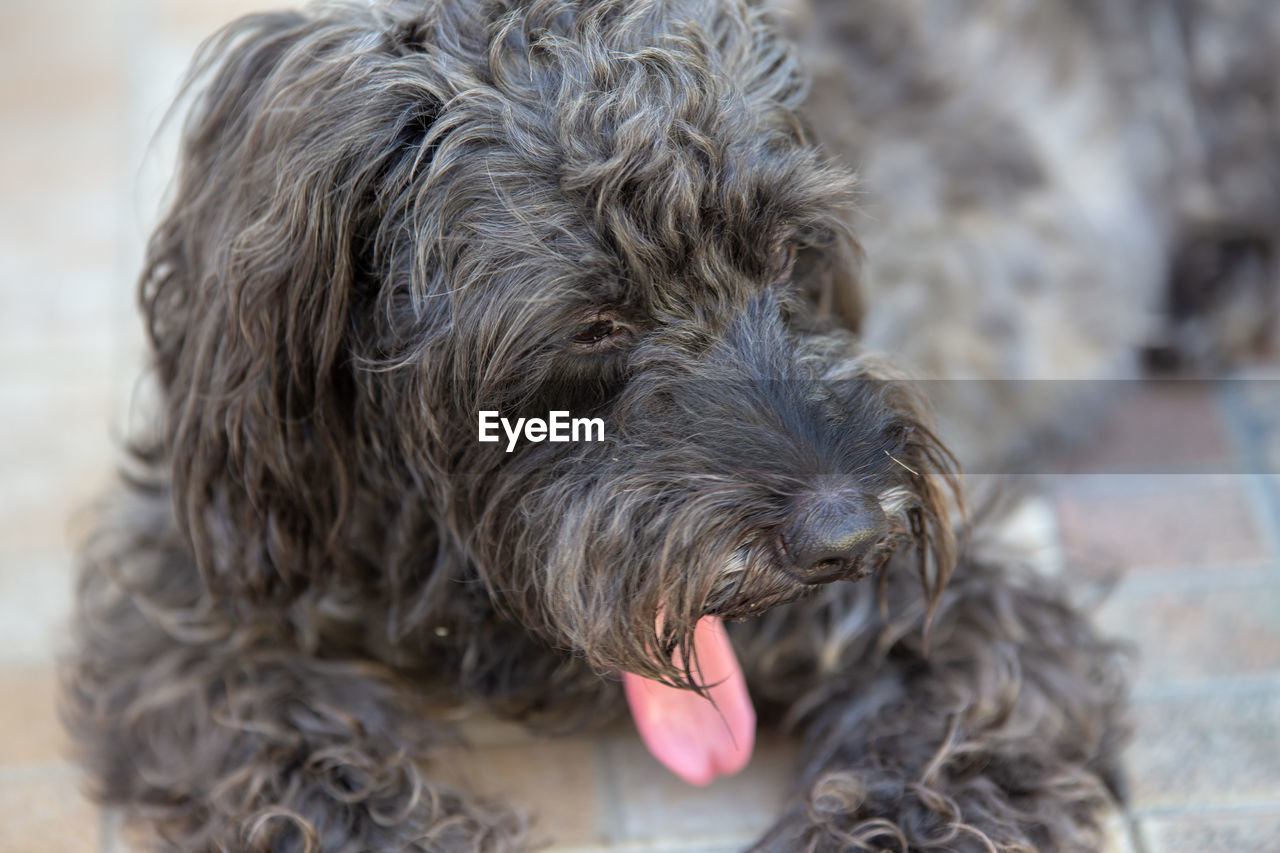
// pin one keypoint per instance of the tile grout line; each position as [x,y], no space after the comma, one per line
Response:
[1225,685]
[1197,577]
[609,809]
[1264,807]
[1247,441]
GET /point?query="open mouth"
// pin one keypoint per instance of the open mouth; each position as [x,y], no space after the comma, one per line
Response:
[703,734]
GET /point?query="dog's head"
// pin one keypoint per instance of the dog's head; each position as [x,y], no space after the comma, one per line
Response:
[389,220]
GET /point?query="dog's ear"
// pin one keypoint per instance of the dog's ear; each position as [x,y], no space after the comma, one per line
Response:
[829,277]
[248,287]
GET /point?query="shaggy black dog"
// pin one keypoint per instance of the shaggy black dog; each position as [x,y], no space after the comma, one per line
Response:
[391,219]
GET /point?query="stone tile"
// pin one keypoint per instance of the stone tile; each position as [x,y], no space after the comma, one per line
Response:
[63,105]
[1257,417]
[1212,748]
[29,729]
[1257,388]
[1271,450]
[1191,632]
[60,56]
[654,806]
[555,781]
[1146,523]
[61,291]
[661,845]
[35,604]
[38,507]
[1238,833]
[59,442]
[64,160]
[50,241]
[76,107]
[41,809]
[1157,426]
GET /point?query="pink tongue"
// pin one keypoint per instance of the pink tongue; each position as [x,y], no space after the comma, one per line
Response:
[698,739]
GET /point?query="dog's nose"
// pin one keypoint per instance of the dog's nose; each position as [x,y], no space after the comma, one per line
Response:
[830,533]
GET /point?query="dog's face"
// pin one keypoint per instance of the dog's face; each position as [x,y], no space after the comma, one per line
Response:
[389,221]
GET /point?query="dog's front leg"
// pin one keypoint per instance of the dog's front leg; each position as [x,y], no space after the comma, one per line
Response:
[212,733]
[995,730]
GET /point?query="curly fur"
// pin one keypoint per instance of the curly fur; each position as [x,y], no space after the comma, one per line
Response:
[388,218]
[1096,183]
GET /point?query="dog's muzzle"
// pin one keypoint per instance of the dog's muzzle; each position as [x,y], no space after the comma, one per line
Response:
[830,534]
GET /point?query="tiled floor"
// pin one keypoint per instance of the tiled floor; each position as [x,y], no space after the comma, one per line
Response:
[1195,530]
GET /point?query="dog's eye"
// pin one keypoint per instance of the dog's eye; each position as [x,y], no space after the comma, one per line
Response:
[782,261]
[600,333]
[594,332]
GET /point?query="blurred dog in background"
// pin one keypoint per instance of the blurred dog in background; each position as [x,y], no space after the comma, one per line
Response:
[1055,191]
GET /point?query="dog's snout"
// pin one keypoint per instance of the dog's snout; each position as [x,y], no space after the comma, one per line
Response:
[830,533]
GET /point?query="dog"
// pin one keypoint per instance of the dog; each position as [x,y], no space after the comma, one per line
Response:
[1055,191]
[391,219]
